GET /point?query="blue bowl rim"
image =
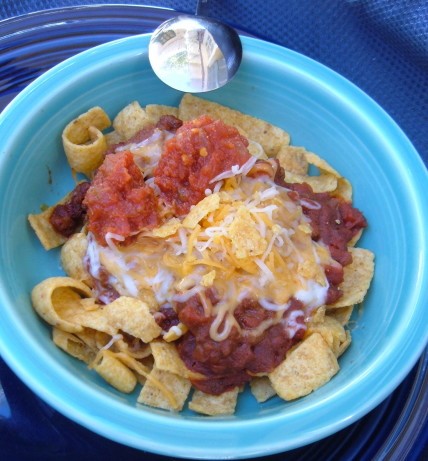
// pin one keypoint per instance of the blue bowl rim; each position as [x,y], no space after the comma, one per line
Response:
[129,47]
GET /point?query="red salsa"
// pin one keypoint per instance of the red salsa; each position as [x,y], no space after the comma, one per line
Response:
[118,200]
[200,150]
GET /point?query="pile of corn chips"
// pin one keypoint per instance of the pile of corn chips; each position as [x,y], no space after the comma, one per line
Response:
[121,340]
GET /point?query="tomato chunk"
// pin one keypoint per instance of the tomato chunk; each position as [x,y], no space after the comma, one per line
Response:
[118,200]
[201,149]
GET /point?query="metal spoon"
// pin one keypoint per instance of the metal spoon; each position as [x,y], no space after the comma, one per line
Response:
[195,53]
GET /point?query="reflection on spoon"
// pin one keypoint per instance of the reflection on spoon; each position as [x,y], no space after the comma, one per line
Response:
[195,53]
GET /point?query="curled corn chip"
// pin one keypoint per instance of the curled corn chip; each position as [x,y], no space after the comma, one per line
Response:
[72,255]
[93,318]
[83,141]
[55,300]
[319,183]
[73,345]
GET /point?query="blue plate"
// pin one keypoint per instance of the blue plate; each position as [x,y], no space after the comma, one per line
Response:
[323,112]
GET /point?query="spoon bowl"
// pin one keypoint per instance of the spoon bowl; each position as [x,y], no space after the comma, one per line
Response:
[195,54]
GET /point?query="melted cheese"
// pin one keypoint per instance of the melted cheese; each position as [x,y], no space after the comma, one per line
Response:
[181,265]
[147,153]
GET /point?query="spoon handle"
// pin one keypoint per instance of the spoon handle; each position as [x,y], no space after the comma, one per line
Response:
[202,8]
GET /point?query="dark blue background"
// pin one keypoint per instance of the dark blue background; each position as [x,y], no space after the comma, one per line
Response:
[379,45]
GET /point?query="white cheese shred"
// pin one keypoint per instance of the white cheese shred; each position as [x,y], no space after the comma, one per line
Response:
[235,170]
[113,339]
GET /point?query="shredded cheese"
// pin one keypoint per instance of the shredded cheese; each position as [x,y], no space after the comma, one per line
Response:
[113,339]
[236,170]
[251,241]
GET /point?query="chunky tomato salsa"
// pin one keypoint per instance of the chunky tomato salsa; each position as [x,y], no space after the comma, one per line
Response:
[200,150]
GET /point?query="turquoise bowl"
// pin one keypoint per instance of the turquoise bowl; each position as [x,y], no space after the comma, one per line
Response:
[323,112]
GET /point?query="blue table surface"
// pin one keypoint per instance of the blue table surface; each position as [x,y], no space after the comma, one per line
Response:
[379,45]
